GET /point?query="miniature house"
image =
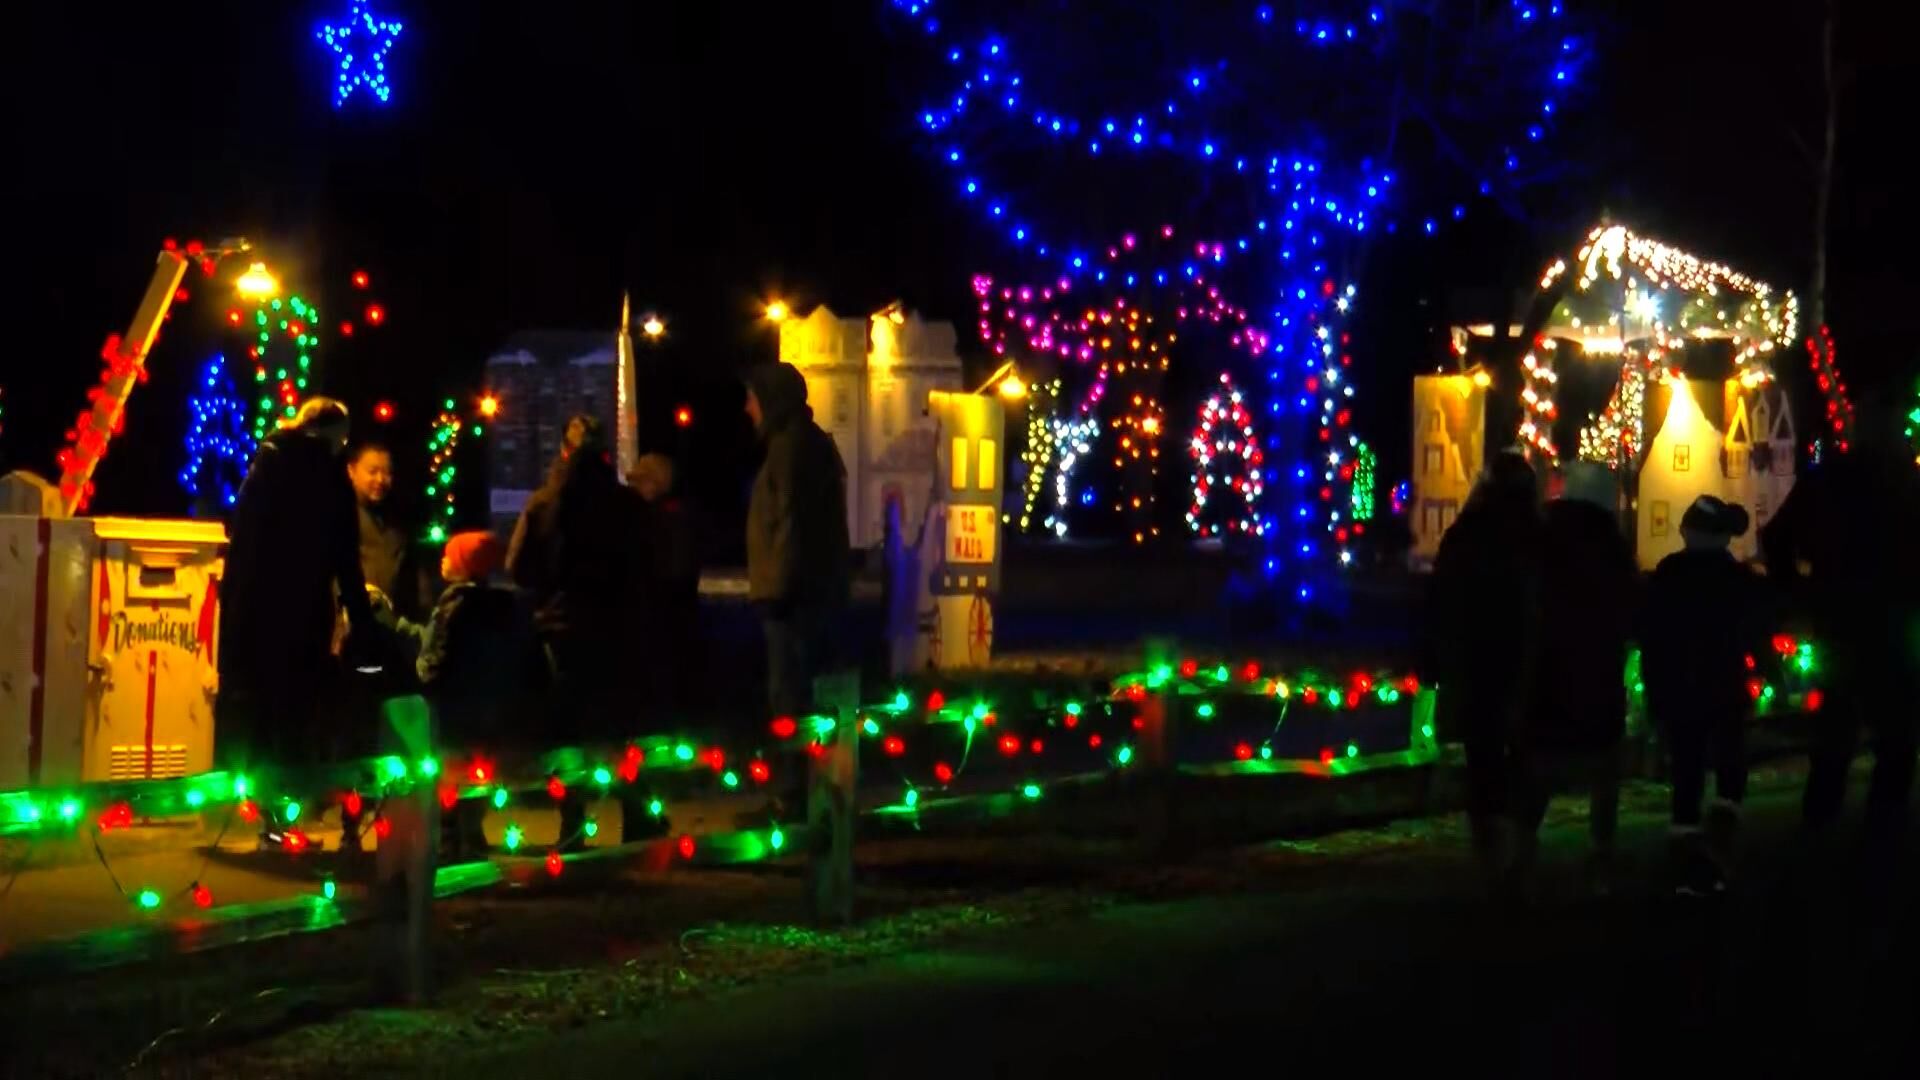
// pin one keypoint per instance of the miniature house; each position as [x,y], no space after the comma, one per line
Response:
[1449,448]
[1745,458]
[867,382]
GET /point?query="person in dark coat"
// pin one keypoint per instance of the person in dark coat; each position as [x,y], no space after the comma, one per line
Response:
[1854,522]
[798,553]
[387,558]
[673,602]
[1577,712]
[579,552]
[1705,616]
[1482,633]
[293,552]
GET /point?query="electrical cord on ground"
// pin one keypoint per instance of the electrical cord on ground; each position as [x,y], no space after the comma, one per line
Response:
[205,1027]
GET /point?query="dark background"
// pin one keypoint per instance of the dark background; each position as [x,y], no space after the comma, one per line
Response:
[537,160]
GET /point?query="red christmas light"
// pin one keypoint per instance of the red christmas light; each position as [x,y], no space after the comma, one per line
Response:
[1755,687]
[556,788]
[1251,672]
[360,279]
[480,771]
[1242,752]
[1070,721]
[1326,755]
[350,804]
[936,701]
[686,846]
[180,295]
[294,841]
[942,772]
[1309,696]
[759,771]
[248,810]
[893,745]
[376,315]
[346,329]
[1815,699]
[784,727]
[383,411]
[233,318]
[1037,746]
[554,864]
[683,417]
[715,758]
[449,795]
[1009,745]
[117,816]
[1094,740]
[382,827]
[1189,668]
[202,896]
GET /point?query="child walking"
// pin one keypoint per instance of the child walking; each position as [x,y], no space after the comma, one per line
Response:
[1702,621]
[468,662]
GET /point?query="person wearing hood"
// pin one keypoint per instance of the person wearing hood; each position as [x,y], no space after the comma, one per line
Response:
[293,551]
[798,553]
[387,557]
[1576,715]
[1704,616]
[1482,623]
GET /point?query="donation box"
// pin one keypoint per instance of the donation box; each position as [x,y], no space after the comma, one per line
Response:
[108,637]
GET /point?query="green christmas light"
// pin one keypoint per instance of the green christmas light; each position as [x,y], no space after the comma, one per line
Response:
[901,702]
[730,778]
[429,767]
[513,837]
[911,799]
[1073,708]
[69,809]
[1426,731]
[591,829]
[981,710]
[683,752]
[1221,674]
[1333,698]
[394,768]
[1123,756]
[148,899]
[776,839]
[499,798]
[1205,711]
[291,812]
[1353,750]
[869,727]
[1159,676]
[602,775]
[240,787]
[656,808]
[1031,791]
[1266,752]
[328,889]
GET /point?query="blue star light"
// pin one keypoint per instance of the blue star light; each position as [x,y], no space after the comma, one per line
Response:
[361,42]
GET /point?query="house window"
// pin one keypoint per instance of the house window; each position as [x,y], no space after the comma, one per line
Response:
[1736,462]
[1682,457]
[1657,519]
[1435,422]
[1436,515]
[842,409]
[1430,460]
[959,477]
[987,464]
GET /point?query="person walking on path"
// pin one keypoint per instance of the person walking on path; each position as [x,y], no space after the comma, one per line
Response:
[1705,617]
[1577,712]
[578,551]
[1854,521]
[387,558]
[1482,633]
[798,553]
[292,553]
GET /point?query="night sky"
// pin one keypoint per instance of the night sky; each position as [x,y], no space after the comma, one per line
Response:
[538,159]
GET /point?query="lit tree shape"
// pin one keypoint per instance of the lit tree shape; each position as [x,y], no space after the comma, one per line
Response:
[220,440]
[1227,459]
[1290,134]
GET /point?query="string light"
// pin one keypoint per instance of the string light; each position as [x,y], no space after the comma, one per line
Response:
[443,471]
[1224,439]
[219,444]
[361,42]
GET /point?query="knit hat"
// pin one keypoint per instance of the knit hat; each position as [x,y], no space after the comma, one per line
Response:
[473,556]
[1711,517]
[781,390]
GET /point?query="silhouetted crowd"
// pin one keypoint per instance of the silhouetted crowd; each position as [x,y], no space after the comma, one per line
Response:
[582,628]
[1533,610]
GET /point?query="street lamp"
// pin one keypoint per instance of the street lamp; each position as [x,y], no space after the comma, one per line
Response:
[777,311]
[653,327]
[257,283]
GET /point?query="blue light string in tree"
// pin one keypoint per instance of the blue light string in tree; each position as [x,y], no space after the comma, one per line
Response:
[1301,192]
[220,443]
[360,43]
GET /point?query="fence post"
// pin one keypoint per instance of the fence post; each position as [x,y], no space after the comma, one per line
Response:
[404,860]
[1158,770]
[833,777]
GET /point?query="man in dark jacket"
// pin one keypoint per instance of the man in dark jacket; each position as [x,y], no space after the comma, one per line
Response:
[798,553]
[386,553]
[293,550]
[1577,712]
[1482,632]
[1854,521]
